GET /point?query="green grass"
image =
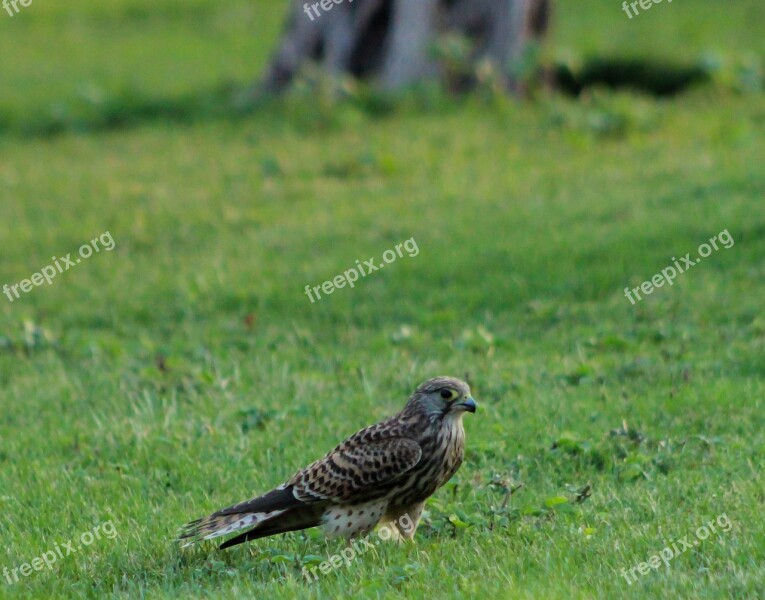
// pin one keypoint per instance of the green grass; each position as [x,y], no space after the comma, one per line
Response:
[530,218]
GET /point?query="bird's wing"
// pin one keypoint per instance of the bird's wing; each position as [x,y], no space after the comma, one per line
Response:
[355,468]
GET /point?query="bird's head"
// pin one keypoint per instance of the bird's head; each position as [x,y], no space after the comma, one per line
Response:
[442,397]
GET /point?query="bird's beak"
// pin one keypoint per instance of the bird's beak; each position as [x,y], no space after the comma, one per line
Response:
[468,404]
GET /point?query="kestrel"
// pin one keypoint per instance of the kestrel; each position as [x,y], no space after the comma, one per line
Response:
[378,475]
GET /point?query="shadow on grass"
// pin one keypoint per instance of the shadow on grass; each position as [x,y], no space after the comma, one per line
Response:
[90,112]
[653,78]
[97,111]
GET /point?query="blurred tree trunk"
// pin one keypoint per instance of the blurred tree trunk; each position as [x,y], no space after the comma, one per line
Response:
[393,41]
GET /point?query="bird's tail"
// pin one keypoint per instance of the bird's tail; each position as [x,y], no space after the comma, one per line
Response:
[252,513]
[292,520]
[217,525]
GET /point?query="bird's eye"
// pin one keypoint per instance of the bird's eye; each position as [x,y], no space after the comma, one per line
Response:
[447,394]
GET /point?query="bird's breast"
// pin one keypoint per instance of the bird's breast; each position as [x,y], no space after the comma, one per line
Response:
[452,443]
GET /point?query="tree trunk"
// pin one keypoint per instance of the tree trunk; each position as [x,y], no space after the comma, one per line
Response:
[411,32]
[392,41]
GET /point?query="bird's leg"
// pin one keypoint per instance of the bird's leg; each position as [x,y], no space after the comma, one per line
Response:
[403,521]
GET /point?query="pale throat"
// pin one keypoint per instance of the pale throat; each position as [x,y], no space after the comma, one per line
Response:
[453,429]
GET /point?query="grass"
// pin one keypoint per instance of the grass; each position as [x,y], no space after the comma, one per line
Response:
[186,369]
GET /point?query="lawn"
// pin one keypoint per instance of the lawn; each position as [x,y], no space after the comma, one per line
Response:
[186,369]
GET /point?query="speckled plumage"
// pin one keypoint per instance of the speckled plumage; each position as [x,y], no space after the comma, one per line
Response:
[379,474]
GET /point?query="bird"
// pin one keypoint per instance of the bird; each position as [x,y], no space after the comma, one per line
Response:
[382,474]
